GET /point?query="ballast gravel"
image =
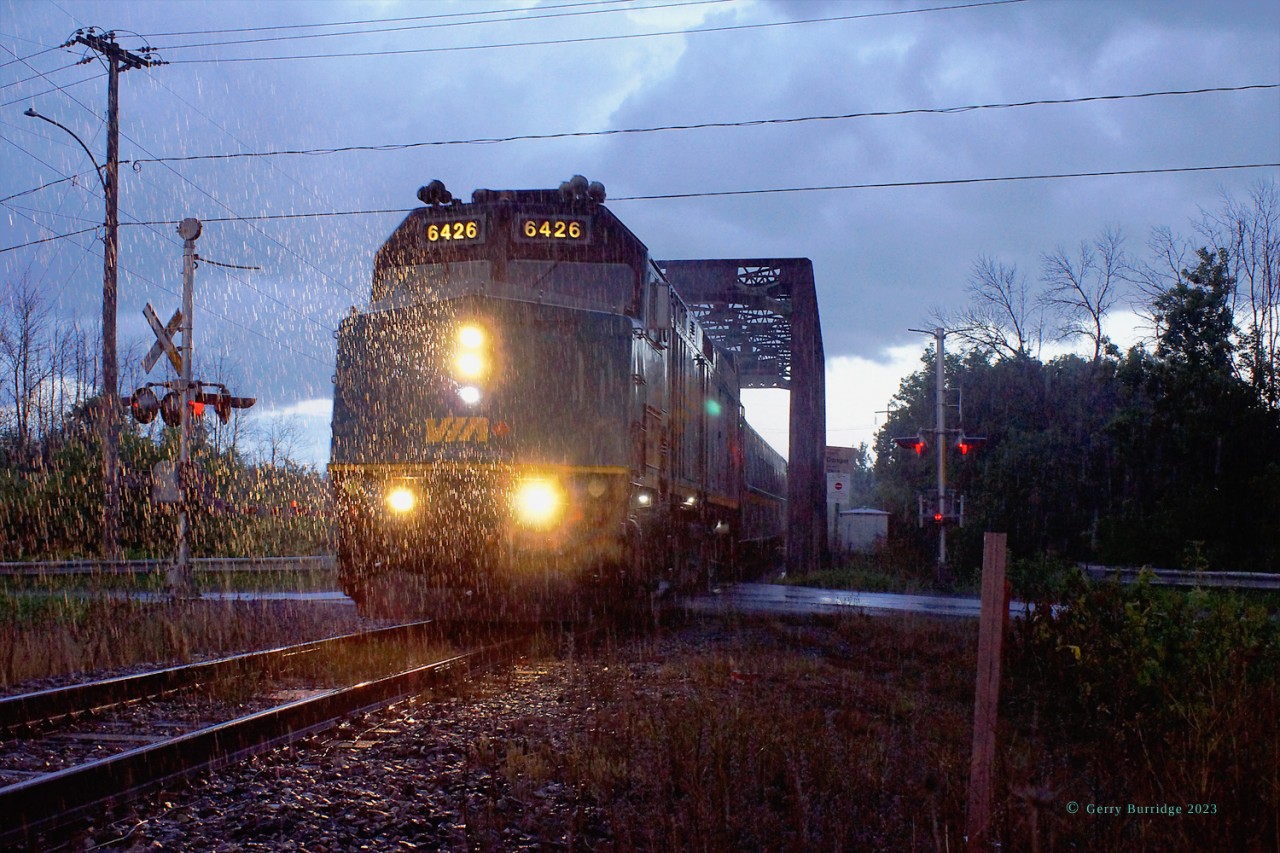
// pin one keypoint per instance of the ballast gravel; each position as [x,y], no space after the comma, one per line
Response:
[469,773]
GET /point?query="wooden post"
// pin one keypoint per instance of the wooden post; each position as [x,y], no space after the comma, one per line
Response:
[991,623]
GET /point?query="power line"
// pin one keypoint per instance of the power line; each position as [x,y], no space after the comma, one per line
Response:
[159,286]
[208,195]
[49,239]
[950,182]
[780,190]
[587,39]
[403,146]
[448,24]
[45,75]
[17,58]
[56,88]
[371,20]
[38,75]
[311,190]
[41,187]
[674,128]
[59,214]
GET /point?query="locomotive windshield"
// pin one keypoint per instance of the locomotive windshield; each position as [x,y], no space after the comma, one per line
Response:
[589,286]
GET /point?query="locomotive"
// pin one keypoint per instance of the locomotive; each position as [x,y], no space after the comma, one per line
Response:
[529,420]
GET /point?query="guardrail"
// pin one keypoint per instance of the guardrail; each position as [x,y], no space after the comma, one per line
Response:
[1175,577]
[142,567]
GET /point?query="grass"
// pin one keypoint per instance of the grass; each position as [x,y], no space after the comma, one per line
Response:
[889,570]
[783,738]
[15,588]
[54,636]
[854,734]
[844,734]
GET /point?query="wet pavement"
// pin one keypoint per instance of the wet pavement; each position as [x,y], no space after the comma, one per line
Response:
[799,600]
[737,598]
[740,598]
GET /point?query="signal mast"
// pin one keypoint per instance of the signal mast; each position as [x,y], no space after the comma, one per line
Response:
[942,506]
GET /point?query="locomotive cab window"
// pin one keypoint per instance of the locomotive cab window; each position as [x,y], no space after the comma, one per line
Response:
[432,280]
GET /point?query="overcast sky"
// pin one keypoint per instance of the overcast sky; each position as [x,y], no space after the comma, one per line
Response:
[885,258]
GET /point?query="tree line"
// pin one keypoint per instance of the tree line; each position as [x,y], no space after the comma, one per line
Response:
[1165,455]
[254,497]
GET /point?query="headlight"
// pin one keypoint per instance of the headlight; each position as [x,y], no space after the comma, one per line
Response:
[469,365]
[471,337]
[401,499]
[471,358]
[538,503]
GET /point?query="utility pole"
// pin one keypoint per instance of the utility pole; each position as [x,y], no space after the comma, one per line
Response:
[118,59]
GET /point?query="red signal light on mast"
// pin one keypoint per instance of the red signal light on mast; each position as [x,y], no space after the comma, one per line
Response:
[965,443]
[913,442]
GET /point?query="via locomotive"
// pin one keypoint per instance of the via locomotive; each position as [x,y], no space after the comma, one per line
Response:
[527,418]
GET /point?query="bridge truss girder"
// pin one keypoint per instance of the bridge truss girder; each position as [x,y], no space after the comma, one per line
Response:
[765,311]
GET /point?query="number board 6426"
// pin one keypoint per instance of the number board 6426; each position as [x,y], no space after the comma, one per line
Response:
[552,229]
[456,231]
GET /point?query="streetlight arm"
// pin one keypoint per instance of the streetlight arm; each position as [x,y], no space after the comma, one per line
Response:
[98,169]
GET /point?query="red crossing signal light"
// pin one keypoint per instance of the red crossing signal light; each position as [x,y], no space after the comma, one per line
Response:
[914,442]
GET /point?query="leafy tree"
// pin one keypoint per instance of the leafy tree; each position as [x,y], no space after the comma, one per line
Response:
[1163,457]
[1194,320]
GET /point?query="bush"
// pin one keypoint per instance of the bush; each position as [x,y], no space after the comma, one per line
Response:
[1167,697]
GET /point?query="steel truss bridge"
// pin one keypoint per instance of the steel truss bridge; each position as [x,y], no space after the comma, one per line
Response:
[765,311]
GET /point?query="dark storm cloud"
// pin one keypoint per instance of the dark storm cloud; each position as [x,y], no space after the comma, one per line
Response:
[884,257]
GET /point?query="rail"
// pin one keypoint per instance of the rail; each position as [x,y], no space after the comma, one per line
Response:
[28,708]
[319,563]
[46,803]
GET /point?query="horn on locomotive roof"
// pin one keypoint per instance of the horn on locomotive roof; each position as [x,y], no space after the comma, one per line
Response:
[578,189]
[434,194]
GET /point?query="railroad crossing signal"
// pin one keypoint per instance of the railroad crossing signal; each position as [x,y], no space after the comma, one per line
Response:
[144,405]
[965,443]
[164,340]
[913,442]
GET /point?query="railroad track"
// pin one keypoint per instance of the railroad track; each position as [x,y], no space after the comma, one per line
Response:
[44,804]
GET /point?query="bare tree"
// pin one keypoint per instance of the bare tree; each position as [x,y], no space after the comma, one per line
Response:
[226,437]
[1082,289]
[1250,231]
[24,351]
[281,437]
[1003,317]
[1171,255]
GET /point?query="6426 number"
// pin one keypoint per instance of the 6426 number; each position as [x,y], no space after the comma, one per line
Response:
[462,229]
[553,229]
